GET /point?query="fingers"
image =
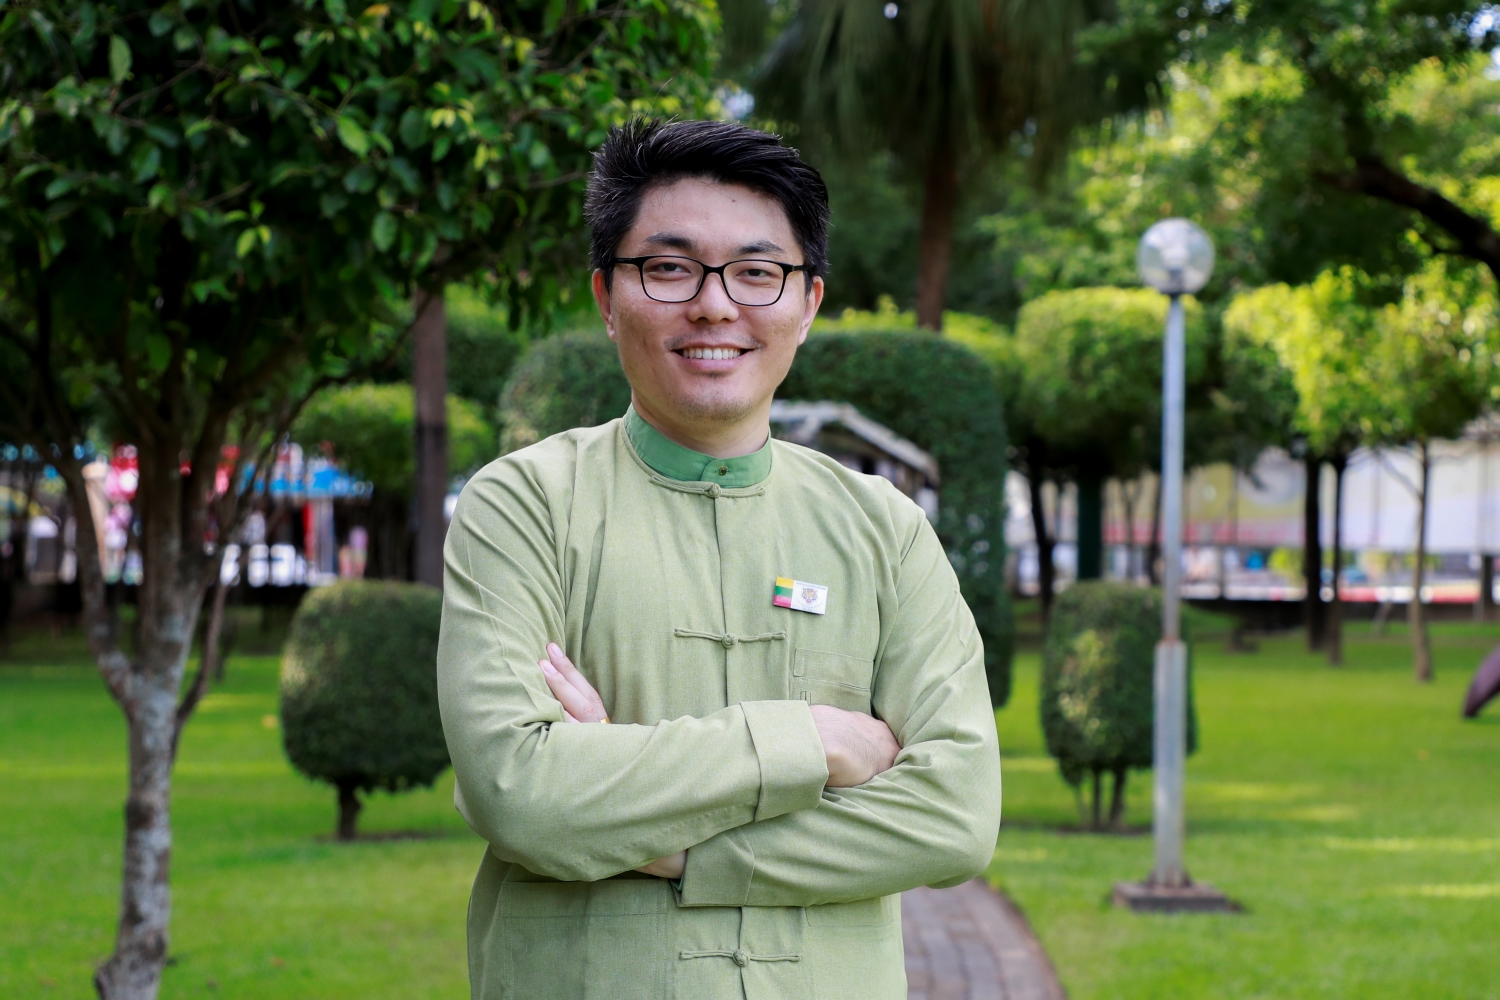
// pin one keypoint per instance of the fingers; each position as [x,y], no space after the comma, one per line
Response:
[670,866]
[575,677]
[857,746]
[580,702]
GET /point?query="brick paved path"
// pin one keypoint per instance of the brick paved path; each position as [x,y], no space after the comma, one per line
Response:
[971,943]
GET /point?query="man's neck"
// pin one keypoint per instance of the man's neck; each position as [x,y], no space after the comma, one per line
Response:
[743,437]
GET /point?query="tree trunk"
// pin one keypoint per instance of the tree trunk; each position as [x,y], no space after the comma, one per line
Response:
[349,806]
[430,385]
[939,205]
[210,662]
[1098,795]
[1421,648]
[133,971]
[176,576]
[146,684]
[1333,639]
[1312,554]
[1117,800]
[1129,493]
[1090,526]
[1486,599]
[1045,570]
[13,559]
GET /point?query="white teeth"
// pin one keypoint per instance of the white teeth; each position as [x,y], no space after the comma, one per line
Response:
[711,353]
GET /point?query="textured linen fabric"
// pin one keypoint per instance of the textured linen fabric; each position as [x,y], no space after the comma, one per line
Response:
[660,590]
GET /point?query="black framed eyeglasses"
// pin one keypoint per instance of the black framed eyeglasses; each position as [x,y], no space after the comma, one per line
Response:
[680,279]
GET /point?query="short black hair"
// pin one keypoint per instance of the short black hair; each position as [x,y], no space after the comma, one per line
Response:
[646,152]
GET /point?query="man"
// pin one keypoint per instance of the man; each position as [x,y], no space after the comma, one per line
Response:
[798,726]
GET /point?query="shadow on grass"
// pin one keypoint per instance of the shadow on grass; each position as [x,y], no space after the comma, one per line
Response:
[394,836]
[1035,826]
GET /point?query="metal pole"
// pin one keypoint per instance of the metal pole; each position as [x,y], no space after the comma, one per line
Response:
[1170,720]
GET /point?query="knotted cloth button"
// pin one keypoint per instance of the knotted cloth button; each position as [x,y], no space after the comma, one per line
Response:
[729,640]
[713,489]
[740,958]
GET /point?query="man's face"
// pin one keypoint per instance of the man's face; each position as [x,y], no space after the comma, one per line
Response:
[708,362]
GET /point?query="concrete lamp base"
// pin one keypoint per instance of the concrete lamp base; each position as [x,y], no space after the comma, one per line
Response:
[1147,897]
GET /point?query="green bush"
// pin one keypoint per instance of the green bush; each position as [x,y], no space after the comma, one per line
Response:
[570,380]
[359,705]
[482,347]
[1097,693]
[940,396]
[372,429]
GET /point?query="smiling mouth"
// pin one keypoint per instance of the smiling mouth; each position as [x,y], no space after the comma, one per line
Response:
[712,353]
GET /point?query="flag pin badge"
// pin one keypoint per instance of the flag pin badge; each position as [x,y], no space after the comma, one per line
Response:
[800,596]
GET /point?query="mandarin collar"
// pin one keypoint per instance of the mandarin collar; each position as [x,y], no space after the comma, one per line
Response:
[672,460]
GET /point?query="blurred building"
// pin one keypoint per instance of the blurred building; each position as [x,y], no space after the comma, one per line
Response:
[855,441]
[1244,530]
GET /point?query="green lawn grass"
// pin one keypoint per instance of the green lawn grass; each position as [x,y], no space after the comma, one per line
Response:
[265,907]
[1351,812]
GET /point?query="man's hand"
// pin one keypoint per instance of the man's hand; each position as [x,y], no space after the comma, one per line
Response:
[670,866]
[858,746]
[580,702]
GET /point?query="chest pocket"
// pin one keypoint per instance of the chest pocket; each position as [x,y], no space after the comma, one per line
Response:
[837,679]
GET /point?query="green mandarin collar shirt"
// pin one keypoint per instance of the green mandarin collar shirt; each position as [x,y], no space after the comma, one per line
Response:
[685,465]
[657,575]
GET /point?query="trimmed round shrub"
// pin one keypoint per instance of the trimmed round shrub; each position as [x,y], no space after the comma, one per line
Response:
[359,706]
[1097,697]
[571,380]
[941,396]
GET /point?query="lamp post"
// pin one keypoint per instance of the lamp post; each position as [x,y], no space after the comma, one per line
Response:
[1176,258]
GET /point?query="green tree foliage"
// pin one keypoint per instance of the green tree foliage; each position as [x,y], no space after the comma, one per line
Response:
[359,705]
[1324,334]
[1369,370]
[874,242]
[1347,156]
[932,392]
[1091,360]
[1096,694]
[940,396]
[976,78]
[370,429]
[1084,399]
[1436,363]
[207,209]
[571,380]
[483,346]
[483,343]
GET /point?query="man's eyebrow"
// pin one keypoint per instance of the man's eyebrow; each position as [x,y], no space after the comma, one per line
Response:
[671,240]
[759,246]
[677,242]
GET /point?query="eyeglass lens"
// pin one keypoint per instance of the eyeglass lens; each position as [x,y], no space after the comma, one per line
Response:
[678,279]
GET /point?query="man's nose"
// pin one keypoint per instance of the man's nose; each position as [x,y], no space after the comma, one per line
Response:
[712,303]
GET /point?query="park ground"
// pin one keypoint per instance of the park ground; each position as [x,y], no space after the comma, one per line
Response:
[1350,811]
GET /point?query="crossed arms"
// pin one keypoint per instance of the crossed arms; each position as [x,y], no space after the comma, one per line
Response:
[857,746]
[752,792]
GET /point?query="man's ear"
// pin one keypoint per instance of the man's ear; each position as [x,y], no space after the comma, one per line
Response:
[602,300]
[810,313]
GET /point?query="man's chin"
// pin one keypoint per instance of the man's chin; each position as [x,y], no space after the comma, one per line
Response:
[715,409]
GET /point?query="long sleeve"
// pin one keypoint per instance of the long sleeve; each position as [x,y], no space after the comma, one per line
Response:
[932,819]
[583,802]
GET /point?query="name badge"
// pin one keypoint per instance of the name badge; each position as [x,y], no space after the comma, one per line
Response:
[800,596]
